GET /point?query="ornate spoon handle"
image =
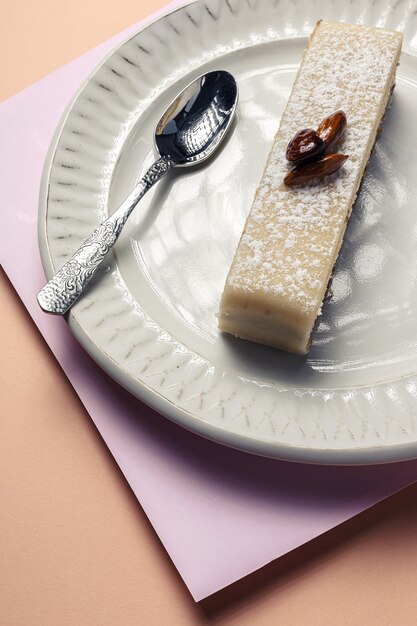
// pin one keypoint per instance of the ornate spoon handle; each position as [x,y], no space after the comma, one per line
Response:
[60,293]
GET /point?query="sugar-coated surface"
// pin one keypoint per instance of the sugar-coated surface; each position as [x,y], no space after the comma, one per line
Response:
[292,235]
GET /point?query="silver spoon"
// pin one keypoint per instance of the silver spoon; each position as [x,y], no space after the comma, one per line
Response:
[189,132]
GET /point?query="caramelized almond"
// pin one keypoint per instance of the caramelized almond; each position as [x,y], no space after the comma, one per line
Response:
[315,171]
[305,144]
[332,128]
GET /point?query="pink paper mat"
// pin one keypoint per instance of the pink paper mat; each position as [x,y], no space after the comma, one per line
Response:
[220,513]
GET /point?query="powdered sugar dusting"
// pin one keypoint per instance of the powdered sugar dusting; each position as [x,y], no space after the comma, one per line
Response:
[292,234]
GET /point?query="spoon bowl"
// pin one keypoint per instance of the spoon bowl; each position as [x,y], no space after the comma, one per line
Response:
[197,120]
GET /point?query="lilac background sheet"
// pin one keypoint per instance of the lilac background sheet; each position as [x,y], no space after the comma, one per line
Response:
[220,513]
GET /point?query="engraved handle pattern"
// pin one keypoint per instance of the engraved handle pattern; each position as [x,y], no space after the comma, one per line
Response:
[65,287]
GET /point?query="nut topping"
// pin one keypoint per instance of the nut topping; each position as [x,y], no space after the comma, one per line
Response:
[305,144]
[331,129]
[323,166]
[306,150]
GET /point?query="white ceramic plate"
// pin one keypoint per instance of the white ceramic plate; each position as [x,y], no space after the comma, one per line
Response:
[149,318]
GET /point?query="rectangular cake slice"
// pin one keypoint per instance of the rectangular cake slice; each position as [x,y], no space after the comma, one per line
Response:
[279,275]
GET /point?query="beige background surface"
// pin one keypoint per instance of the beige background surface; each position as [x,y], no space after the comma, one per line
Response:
[75,546]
